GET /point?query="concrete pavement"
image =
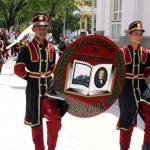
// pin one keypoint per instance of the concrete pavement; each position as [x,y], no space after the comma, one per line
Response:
[96,133]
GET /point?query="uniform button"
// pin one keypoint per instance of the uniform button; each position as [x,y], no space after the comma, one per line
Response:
[40,84]
[45,60]
[42,59]
[40,95]
[43,75]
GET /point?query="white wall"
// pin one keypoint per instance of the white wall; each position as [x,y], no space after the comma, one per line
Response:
[127,14]
[103,16]
[100,16]
[131,10]
[146,17]
[138,10]
[107,17]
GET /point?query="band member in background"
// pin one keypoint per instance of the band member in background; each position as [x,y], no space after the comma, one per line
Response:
[23,41]
[82,33]
[62,44]
[134,99]
[16,49]
[38,56]
[11,37]
[3,37]
[4,50]
[1,56]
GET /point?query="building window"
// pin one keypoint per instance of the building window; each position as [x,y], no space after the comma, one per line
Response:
[116,19]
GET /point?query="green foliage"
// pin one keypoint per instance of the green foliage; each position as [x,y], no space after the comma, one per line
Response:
[71,21]
[84,2]
[19,13]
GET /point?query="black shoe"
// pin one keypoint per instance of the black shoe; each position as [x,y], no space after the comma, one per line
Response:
[146,147]
[123,149]
[50,148]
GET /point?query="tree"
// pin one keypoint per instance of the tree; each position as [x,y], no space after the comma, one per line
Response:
[71,23]
[10,9]
[23,10]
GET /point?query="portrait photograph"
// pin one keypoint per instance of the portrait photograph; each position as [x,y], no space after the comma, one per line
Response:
[100,77]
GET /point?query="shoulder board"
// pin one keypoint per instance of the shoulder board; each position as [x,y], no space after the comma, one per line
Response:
[127,55]
[33,52]
[51,51]
[144,52]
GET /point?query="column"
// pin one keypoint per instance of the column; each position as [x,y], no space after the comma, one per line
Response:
[86,23]
[80,23]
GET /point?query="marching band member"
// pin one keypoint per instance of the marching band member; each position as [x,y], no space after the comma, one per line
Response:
[135,96]
[38,57]
[1,55]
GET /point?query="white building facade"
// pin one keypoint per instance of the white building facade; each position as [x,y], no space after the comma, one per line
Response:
[114,16]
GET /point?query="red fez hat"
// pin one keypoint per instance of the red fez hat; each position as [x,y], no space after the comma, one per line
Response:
[40,20]
[136,25]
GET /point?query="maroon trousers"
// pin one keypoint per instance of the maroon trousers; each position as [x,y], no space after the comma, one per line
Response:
[51,113]
[125,136]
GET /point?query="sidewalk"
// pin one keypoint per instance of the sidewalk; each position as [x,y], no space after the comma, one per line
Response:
[96,133]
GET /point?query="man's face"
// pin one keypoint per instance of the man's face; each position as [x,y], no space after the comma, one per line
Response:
[82,34]
[101,74]
[40,31]
[136,37]
[62,38]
